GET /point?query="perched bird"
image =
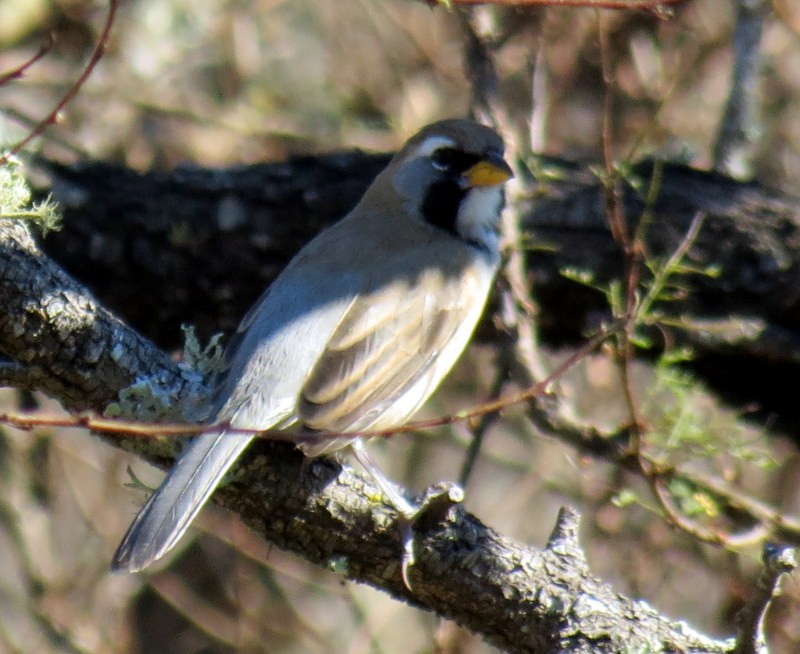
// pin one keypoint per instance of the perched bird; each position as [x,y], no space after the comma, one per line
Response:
[360,327]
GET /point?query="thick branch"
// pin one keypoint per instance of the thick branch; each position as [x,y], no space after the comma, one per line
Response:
[57,339]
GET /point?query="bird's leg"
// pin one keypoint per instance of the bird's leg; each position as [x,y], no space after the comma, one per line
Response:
[436,499]
[408,512]
[405,508]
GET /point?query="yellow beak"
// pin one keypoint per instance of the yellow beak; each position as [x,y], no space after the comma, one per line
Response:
[489,172]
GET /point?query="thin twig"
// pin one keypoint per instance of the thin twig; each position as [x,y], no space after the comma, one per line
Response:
[740,131]
[520,310]
[614,449]
[677,518]
[631,247]
[660,8]
[19,71]
[479,431]
[56,139]
[671,265]
[51,118]
[151,429]
[778,561]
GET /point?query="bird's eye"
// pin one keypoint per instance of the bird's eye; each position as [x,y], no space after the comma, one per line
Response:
[452,161]
[443,158]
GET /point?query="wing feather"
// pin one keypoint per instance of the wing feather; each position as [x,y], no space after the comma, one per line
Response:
[386,345]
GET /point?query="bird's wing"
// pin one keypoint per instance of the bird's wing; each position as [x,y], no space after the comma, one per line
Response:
[391,349]
[266,364]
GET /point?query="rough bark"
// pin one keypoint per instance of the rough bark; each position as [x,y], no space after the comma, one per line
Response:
[56,338]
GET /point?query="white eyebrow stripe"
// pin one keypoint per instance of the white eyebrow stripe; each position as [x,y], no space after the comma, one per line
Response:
[432,144]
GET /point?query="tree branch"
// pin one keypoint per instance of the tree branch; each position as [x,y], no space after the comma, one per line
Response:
[59,340]
[778,562]
[740,131]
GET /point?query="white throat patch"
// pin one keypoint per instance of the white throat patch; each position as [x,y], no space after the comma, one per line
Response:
[479,217]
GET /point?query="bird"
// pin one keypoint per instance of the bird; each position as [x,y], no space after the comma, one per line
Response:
[357,331]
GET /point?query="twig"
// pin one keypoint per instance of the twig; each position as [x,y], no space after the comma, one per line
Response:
[479,431]
[537,125]
[519,309]
[59,140]
[51,118]
[632,247]
[678,519]
[632,244]
[740,129]
[779,525]
[671,265]
[151,429]
[481,72]
[613,449]
[19,71]
[778,561]
[660,8]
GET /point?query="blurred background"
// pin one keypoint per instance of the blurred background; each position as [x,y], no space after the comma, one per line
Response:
[233,82]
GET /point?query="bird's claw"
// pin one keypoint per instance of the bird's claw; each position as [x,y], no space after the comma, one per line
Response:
[435,502]
[408,559]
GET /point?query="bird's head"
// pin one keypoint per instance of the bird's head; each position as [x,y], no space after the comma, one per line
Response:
[450,175]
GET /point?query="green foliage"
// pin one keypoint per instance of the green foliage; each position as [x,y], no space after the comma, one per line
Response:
[205,360]
[692,501]
[625,497]
[685,423]
[15,201]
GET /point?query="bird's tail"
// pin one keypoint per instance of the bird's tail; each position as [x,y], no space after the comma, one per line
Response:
[171,509]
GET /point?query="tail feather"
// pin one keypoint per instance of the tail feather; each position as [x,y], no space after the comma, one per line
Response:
[171,509]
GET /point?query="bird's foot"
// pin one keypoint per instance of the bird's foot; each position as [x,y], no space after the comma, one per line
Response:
[432,507]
